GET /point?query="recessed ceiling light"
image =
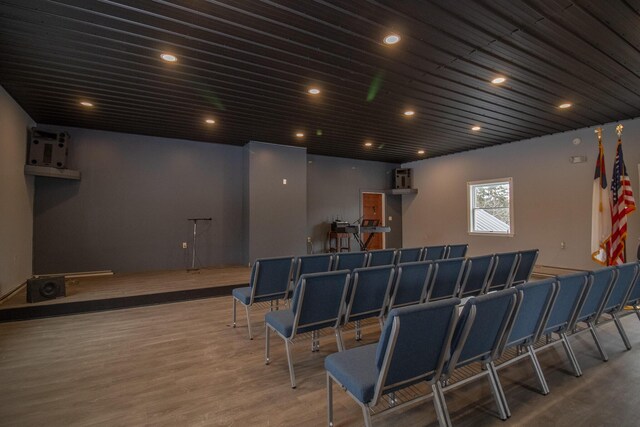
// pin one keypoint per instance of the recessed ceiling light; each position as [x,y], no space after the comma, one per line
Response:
[476,128]
[368,144]
[86,104]
[210,121]
[314,91]
[409,113]
[391,39]
[299,134]
[498,80]
[420,151]
[565,105]
[168,57]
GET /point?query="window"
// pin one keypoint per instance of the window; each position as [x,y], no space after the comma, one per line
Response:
[490,207]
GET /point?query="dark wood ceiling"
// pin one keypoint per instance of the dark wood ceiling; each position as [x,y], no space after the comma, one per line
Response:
[249,64]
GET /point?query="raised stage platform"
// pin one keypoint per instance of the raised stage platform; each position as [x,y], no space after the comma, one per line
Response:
[88,294]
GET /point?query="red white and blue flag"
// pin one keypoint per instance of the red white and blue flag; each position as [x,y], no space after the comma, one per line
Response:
[600,213]
[622,204]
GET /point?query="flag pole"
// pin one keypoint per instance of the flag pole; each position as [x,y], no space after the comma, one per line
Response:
[619,128]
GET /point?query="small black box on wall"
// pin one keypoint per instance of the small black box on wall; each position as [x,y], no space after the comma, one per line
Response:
[45,288]
[48,148]
[403,178]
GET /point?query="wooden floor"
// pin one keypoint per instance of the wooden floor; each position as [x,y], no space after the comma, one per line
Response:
[130,284]
[183,364]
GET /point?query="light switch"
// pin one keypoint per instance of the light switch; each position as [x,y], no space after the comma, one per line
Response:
[390,218]
[284,181]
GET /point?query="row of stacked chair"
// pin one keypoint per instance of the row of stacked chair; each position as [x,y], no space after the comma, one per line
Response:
[399,285]
[334,300]
[425,344]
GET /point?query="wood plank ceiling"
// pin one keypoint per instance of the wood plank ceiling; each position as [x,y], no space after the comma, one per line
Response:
[249,64]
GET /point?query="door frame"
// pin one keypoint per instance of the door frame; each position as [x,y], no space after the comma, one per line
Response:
[384,210]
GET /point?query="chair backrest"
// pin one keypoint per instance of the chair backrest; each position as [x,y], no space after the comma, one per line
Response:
[481,328]
[457,251]
[307,264]
[350,260]
[634,293]
[506,265]
[536,302]
[410,284]
[571,291]
[270,278]
[381,257]
[414,344]
[525,266]
[475,278]
[625,279]
[318,300]
[408,255]
[446,278]
[601,284]
[370,292]
[432,253]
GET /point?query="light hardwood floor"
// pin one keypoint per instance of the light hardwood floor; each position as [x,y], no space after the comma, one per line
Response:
[182,364]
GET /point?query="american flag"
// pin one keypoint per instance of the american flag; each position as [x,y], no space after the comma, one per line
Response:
[622,204]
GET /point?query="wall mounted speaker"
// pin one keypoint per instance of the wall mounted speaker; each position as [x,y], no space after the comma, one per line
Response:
[45,288]
[48,148]
[403,178]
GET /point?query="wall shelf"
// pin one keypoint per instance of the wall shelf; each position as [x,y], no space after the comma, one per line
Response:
[51,172]
[400,191]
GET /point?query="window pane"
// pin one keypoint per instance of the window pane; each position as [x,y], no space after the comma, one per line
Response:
[490,207]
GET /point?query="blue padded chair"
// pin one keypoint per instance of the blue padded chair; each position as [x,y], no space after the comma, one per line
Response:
[535,303]
[633,299]
[317,303]
[350,260]
[446,278]
[369,295]
[408,255]
[525,266]
[410,285]
[475,278]
[569,300]
[482,326]
[412,349]
[433,253]
[308,264]
[381,257]
[626,277]
[505,268]
[602,282]
[457,251]
[269,282]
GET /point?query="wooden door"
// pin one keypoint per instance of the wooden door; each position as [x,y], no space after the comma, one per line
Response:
[373,208]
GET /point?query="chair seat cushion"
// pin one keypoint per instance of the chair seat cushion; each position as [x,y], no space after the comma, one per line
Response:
[281,321]
[242,294]
[356,370]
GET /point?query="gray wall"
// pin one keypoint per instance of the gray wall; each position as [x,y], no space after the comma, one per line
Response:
[16,196]
[276,212]
[129,211]
[334,191]
[552,197]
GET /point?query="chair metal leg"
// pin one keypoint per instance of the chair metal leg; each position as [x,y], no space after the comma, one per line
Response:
[381,322]
[290,361]
[637,310]
[596,338]
[267,359]
[498,394]
[544,387]
[234,312]
[329,400]
[570,354]
[339,339]
[623,334]
[441,405]
[367,416]
[246,307]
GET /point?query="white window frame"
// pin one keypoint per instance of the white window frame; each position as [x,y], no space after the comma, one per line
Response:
[470,229]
